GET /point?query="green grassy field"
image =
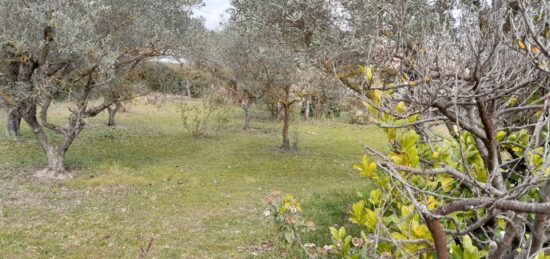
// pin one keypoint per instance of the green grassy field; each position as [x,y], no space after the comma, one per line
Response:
[198,198]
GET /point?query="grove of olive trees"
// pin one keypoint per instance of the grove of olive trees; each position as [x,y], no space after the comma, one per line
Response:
[78,50]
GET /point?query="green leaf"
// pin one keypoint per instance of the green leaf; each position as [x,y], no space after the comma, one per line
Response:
[375,196]
[369,75]
[471,251]
[406,210]
[367,168]
[541,255]
[342,233]
[334,233]
[413,118]
[357,211]
[399,236]
[401,107]
[446,183]
[289,237]
[500,135]
[398,159]
[371,219]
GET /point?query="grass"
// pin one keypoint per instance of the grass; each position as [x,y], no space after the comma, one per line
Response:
[198,198]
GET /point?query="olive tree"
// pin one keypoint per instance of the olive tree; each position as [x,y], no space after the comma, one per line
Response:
[281,33]
[270,71]
[232,61]
[78,51]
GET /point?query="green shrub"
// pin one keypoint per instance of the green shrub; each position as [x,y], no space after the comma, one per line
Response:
[211,114]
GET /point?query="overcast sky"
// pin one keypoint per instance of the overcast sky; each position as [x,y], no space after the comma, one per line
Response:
[213,12]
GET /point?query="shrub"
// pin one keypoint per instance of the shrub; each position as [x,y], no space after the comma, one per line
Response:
[211,114]
[285,211]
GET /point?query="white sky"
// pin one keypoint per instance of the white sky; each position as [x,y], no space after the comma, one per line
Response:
[214,12]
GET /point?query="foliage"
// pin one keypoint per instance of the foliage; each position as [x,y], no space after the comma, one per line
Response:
[210,115]
[162,78]
[286,215]
[80,50]
[285,211]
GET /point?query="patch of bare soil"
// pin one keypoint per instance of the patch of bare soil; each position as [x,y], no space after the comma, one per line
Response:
[256,249]
[47,173]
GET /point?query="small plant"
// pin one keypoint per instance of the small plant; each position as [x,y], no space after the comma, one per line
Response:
[210,115]
[285,212]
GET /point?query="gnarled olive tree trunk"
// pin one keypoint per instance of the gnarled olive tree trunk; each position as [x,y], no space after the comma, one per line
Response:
[55,154]
[247,117]
[245,104]
[307,107]
[286,105]
[111,122]
[13,126]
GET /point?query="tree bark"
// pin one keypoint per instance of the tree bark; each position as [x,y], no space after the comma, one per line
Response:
[286,126]
[247,117]
[111,122]
[439,236]
[55,155]
[56,159]
[13,129]
[188,88]
[538,235]
[306,115]
[503,245]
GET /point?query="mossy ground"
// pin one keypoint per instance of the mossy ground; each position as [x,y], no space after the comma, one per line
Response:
[198,198]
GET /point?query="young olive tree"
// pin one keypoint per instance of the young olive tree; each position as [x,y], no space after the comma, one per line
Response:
[281,32]
[79,51]
[232,60]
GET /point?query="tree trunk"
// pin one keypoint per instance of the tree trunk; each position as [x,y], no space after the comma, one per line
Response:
[306,115]
[13,129]
[56,159]
[55,155]
[188,88]
[56,164]
[111,122]
[286,125]
[319,108]
[505,243]
[538,235]
[439,236]
[247,117]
